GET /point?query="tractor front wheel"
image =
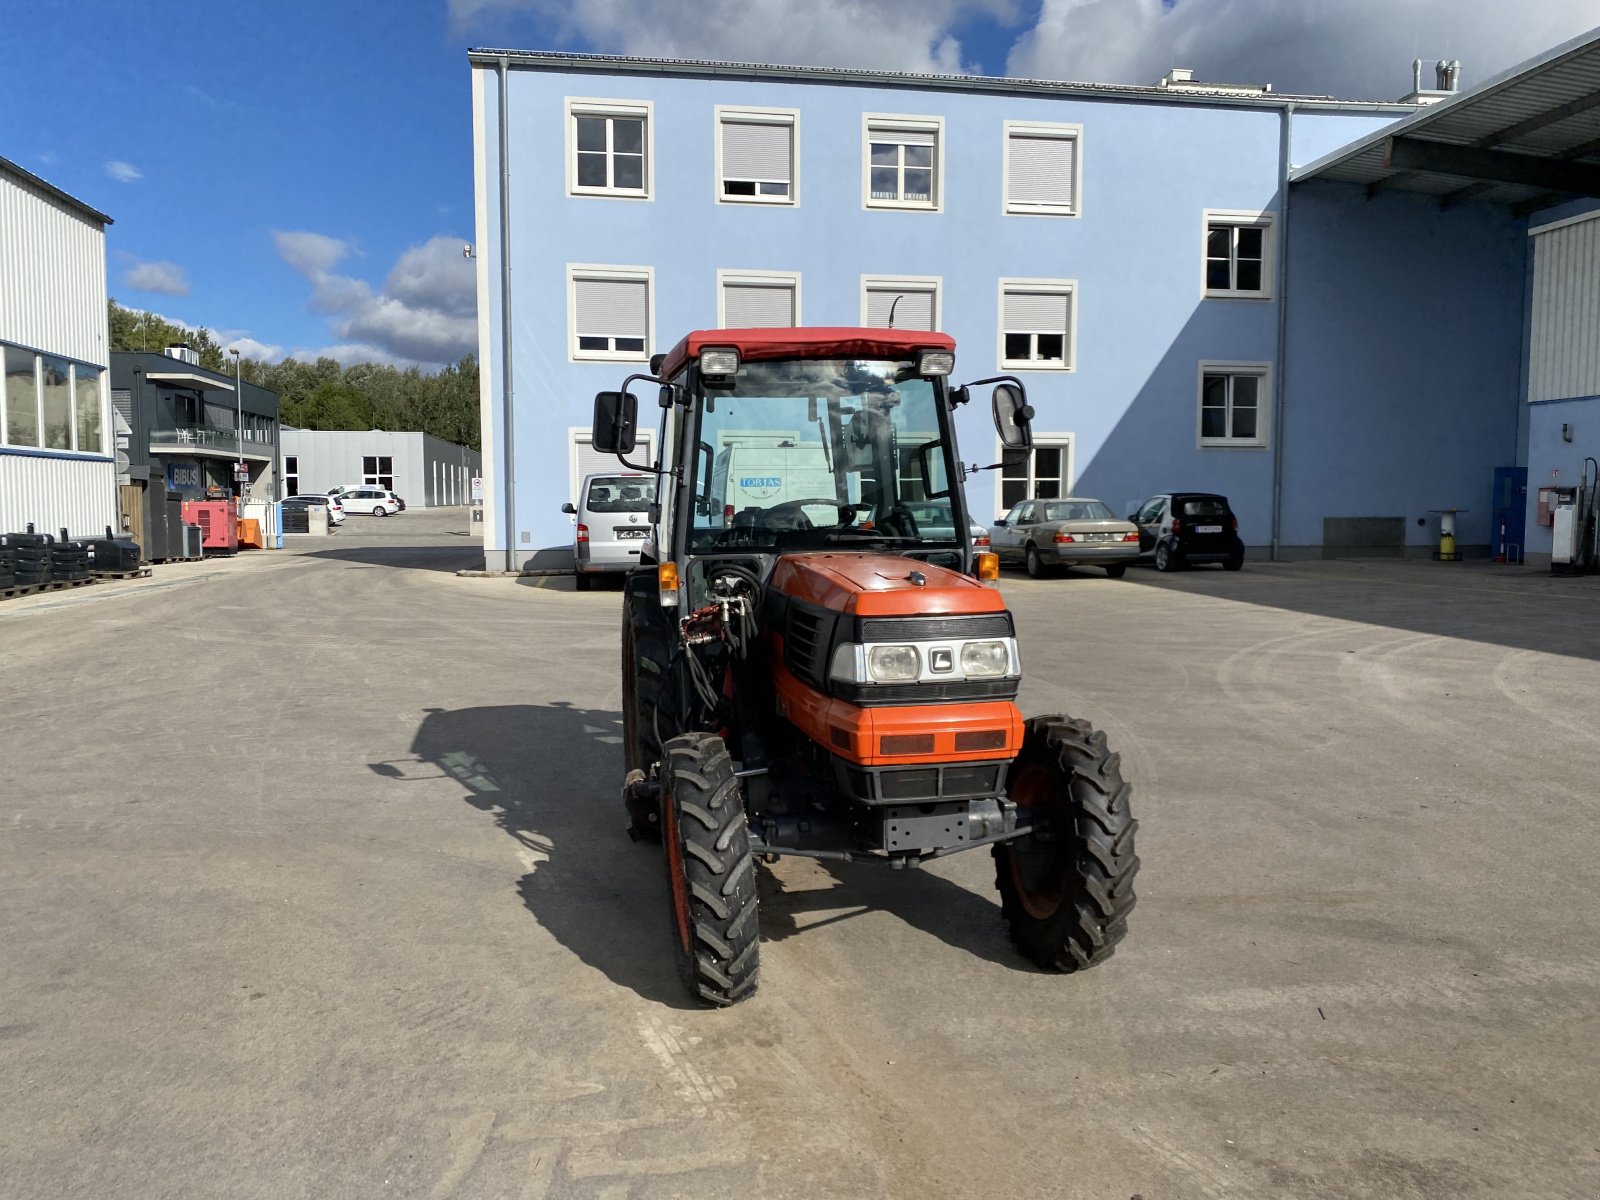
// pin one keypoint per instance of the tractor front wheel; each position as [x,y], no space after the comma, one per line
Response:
[711,871]
[1066,888]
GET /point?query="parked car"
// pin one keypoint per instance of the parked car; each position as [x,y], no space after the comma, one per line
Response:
[1181,528]
[613,524]
[377,501]
[933,520]
[335,509]
[1042,535]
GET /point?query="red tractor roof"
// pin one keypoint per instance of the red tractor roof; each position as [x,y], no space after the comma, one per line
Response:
[817,342]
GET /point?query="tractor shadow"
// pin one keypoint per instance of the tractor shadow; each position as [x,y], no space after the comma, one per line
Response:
[549,777]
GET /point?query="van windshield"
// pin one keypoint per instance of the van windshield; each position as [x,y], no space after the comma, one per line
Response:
[620,494]
[801,452]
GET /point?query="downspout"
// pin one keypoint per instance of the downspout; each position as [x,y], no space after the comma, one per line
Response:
[508,455]
[1282,367]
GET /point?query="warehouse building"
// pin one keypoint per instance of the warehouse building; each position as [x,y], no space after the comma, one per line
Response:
[56,466]
[185,432]
[1204,286]
[425,471]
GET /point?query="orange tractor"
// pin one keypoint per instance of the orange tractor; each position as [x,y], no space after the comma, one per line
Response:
[814,662]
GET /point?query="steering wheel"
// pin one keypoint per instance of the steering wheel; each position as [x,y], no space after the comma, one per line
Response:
[791,513]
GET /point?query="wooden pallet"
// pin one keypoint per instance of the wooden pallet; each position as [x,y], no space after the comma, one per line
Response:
[30,589]
[141,573]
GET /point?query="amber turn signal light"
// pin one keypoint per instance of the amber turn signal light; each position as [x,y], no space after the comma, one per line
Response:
[667,584]
[988,566]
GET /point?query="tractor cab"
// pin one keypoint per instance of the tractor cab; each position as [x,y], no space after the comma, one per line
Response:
[815,661]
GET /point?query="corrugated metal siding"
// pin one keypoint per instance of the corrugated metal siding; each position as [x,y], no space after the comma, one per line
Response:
[79,494]
[53,279]
[1564,346]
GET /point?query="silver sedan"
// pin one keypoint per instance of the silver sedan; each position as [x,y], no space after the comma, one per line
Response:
[1042,535]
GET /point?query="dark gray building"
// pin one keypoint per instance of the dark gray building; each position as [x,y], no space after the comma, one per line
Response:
[181,433]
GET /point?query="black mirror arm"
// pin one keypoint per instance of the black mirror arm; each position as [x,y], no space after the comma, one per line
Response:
[626,383]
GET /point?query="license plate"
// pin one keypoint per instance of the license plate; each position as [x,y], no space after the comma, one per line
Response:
[631,533]
[1208,528]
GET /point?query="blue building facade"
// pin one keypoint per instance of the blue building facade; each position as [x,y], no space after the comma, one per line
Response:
[1127,251]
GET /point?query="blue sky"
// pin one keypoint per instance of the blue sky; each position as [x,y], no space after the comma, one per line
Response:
[298,175]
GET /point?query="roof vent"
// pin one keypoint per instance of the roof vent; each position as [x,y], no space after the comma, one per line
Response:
[1446,77]
[1181,79]
[184,354]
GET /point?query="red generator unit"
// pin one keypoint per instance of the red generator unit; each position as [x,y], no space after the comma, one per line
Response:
[219,532]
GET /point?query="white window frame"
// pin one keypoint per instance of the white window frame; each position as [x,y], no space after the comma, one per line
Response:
[726,113]
[576,271]
[1042,129]
[1066,287]
[791,279]
[1048,441]
[584,106]
[889,123]
[905,283]
[1262,371]
[1241,219]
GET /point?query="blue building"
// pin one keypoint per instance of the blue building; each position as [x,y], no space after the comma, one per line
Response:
[1197,291]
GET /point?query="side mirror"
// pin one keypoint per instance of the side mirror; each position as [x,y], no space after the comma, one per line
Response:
[569,508]
[930,461]
[616,422]
[1013,417]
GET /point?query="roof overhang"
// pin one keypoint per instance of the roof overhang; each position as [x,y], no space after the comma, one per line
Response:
[1527,138]
[55,193]
[190,379]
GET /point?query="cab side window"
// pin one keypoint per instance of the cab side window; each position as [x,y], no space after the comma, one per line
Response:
[1150,511]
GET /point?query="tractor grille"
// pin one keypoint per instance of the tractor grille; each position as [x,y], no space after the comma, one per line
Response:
[928,629]
[804,646]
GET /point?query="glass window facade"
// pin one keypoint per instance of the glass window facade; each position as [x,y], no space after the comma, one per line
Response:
[22,398]
[86,394]
[55,381]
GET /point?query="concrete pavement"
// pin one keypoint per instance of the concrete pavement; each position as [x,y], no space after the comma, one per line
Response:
[313,883]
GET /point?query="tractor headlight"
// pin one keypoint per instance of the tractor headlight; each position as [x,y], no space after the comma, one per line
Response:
[983,660]
[894,664]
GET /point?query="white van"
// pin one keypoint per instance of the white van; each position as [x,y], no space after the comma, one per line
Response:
[613,524]
[768,474]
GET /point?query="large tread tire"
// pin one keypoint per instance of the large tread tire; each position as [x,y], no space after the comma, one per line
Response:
[645,724]
[711,872]
[1066,891]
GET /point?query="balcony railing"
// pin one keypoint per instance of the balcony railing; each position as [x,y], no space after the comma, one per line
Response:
[203,439]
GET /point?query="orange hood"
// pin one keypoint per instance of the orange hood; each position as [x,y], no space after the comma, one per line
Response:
[880,585]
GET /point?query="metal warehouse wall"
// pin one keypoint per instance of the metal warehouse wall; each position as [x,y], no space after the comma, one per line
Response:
[1564,337]
[57,491]
[52,274]
[327,458]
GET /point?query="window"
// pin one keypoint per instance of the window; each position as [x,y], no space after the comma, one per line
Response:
[1037,317]
[1238,255]
[757,155]
[1044,473]
[291,474]
[56,391]
[903,168]
[1234,399]
[22,398]
[378,471]
[913,300]
[610,312]
[609,151]
[584,460]
[1042,169]
[86,397]
[757,299]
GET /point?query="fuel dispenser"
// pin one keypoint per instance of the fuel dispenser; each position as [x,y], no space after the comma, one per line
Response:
[1573,524]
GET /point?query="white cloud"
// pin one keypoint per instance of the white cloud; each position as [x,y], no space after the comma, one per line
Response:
[123,172]
[248,347]
[349,353]
[1353,49]
[884,35]
[425,314]
[164,277]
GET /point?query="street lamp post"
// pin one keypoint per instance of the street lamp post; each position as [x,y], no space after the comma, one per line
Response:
[238,397]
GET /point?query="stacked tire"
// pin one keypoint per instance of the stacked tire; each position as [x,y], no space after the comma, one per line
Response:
[8,565]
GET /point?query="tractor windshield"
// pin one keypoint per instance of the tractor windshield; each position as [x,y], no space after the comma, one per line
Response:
[802,452]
